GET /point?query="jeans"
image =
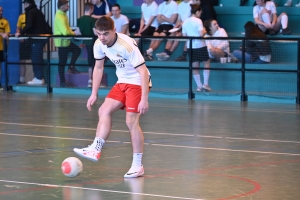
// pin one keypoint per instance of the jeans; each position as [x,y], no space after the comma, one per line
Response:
[238,54]
[37,57]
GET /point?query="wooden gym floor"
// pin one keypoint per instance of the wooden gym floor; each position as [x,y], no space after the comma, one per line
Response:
[193,150]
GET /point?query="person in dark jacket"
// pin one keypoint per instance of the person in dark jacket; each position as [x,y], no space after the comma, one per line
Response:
[35,25]
[208,10]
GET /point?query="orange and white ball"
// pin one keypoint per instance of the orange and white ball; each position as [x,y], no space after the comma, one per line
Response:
[71,167]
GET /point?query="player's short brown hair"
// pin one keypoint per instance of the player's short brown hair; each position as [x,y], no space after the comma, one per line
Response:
[105,24]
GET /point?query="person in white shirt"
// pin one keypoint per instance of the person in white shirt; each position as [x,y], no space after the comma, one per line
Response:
[216,48]
[183,13]
[265,16]
[166,17]
[130,92]
[148,22]
[121,21]
[193,27]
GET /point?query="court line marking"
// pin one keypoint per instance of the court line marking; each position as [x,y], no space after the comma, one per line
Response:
[161,145]
[158,133]
[95,189]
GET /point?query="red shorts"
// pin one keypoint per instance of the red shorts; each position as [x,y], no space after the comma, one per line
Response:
[128,94]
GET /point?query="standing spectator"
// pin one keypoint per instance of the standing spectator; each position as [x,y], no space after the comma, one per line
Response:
[166,17]
[193,26]
[216,48]
[130,92]
[148,22]
[265,16]
[86,25]
[183,13]
[35,24]
[208,11]
[101,8]
[121,21]
[24,49]
[4,31]
[65,46]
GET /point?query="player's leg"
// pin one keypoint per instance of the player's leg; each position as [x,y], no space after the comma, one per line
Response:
[282,22]
[115,100]
[133,98]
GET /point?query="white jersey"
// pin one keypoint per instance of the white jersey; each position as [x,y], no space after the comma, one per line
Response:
[150,11]
[167,9]
[192,27]
[126,56]
[270,6]
[184,10]
[220,44]
[120,22]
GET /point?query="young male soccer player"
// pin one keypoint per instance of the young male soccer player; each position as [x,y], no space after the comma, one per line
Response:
[130,91]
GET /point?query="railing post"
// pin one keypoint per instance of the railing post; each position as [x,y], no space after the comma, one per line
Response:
[49,88]
[5,64]
[298,73]
[244,97]
[191,95]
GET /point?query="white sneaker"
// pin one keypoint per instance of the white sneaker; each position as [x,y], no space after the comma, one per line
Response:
[288,3]
[90,83]
[36,81]
[88,153]
[135,171]
[298,5]
[206,88]
[162,56]
[199,89]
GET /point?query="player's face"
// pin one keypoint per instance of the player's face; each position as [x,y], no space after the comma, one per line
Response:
[1,11]
[115,11]
[106,37]
[65,7]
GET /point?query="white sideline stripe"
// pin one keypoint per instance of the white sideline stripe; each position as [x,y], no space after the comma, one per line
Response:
[158,133]
[162,145]
[95,189]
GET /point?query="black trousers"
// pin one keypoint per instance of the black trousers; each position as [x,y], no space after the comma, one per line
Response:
[63,58]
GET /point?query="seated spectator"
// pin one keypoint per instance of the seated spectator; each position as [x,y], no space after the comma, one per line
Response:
[121,21]
[148,22]
[256,51]
[183,13]
[216,48]
[166,17]
[86,24]
[101,8]
[193,27]
[265,16]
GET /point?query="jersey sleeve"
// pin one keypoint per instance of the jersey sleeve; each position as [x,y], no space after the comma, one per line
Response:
[98,52]
[255,12]
[135,57]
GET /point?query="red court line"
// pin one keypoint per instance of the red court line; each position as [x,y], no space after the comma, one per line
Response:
[25,190]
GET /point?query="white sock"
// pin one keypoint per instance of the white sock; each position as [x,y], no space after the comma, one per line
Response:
[197,79]
[284,21]
[206,76]
[98,143]
[22,79]
[137,159]
[266,18]
[149,51]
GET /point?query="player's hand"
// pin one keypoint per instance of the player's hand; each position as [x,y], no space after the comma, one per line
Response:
[143,107]
[91,102]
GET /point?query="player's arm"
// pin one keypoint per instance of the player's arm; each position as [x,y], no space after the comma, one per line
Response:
[170,20]
[144,105]
[97,77]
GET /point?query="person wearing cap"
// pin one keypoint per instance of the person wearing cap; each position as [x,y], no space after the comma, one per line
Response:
[4,31]
[35,25]
[65,46]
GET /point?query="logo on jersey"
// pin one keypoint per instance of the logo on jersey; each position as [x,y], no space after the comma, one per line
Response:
[120,63]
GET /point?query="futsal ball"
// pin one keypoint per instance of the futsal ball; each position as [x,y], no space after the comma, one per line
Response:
[71,167]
